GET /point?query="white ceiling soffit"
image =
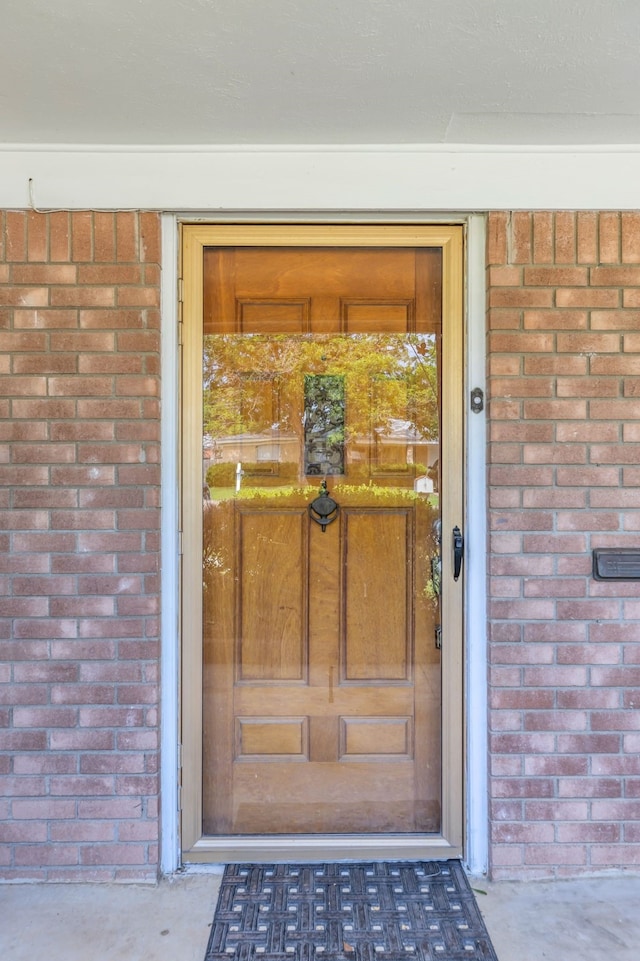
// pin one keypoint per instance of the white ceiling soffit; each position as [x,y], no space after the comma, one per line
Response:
[271,72]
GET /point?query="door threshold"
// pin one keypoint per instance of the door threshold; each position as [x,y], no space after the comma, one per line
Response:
[310,848]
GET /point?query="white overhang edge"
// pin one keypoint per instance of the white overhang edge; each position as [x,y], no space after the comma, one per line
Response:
[367,177]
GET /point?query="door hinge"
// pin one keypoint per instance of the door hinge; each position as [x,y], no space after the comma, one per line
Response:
[180,544]
[180,306]
[438,634]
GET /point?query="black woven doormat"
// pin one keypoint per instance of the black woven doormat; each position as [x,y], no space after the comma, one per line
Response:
[380,911]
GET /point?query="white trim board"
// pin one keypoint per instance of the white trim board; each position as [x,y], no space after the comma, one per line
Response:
[170,571]
[368,177]
[476,650]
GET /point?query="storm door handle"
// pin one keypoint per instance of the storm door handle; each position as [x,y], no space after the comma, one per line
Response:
[458,551]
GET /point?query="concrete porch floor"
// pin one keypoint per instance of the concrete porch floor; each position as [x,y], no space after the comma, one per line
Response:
[582,920]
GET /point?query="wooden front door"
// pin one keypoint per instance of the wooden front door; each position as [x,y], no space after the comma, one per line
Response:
[321,486]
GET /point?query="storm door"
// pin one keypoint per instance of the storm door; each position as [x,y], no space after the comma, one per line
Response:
[315,479]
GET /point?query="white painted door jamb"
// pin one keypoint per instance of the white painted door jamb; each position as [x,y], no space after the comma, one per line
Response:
[476,844]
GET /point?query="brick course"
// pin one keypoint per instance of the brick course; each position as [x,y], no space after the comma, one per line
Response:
[79,496]
[564,358]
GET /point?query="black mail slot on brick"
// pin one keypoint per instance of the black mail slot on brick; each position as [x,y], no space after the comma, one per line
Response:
[613,564]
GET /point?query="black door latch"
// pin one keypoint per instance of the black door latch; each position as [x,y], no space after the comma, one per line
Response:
[458,552]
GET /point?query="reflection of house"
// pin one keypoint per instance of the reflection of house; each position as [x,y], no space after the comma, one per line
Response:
[400,443]
[266,448]
[397,450]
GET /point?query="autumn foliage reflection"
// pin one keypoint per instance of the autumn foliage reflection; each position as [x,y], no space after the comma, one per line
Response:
[254,409]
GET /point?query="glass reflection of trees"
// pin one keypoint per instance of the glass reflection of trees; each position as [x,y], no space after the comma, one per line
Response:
[255,383]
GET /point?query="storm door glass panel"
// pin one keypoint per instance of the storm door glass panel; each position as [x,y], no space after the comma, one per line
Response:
[321,660]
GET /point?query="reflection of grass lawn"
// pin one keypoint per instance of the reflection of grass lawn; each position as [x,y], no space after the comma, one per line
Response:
[222,493]
[229,493]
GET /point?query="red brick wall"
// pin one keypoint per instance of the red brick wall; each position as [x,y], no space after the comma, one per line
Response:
[564,453]
[79,496]
[79,538]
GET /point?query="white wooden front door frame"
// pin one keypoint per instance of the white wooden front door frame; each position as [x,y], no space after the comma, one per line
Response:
[476,825]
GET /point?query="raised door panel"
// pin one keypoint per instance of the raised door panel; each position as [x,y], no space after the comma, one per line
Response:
[383,316]
[376,595]
[376,738]
[272,608]
[272,316]
[272,738]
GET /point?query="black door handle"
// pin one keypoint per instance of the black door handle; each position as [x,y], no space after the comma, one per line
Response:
[458,552]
